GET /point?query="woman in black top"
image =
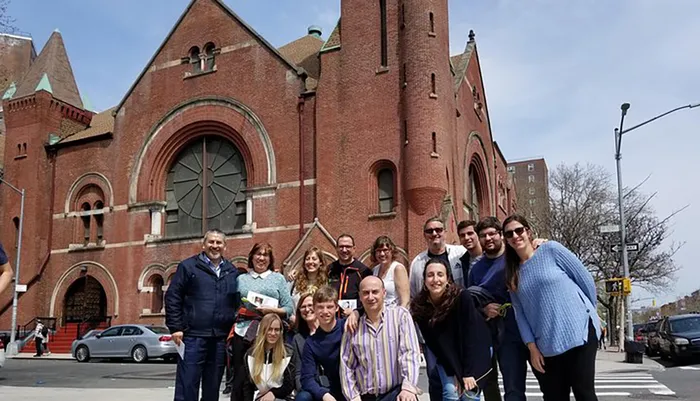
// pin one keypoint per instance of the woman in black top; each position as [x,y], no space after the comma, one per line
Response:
[305,325]
[454,330]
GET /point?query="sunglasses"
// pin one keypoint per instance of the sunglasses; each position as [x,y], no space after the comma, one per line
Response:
[517,231]
[437,230]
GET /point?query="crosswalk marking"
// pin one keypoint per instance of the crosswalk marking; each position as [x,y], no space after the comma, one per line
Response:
[608,385]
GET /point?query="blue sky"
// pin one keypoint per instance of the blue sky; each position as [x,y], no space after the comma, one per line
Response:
[555,72]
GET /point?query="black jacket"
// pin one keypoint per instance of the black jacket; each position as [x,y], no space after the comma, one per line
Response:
[346,278]
[199,303]
[461,341]
[281,393]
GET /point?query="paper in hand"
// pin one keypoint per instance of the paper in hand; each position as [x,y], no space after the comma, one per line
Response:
[181,349]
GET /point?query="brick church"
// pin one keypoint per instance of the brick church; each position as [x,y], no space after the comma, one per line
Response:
[369,132]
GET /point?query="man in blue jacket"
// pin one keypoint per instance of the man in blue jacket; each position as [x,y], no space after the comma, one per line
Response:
[200,308]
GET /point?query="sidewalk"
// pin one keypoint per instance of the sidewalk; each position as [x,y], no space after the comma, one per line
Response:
[52,357]
[72,394]
[613,361]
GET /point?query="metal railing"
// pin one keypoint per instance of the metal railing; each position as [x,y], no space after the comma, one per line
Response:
[92,323]
[27,329]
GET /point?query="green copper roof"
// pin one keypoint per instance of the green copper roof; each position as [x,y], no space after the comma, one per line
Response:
[44,84]
[87,104]
[10,92]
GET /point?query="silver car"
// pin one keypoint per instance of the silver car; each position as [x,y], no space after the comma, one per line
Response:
[136,341]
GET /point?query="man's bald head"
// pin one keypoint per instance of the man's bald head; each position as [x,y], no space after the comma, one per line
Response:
[369,280]
[372,294]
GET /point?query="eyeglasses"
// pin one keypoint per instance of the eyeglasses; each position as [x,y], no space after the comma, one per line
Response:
[517,231]
[436,230]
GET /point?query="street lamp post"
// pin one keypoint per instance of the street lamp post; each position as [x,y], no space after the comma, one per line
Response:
[623,229]
[13,335]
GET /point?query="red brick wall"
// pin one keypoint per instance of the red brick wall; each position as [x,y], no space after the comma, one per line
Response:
[335,139]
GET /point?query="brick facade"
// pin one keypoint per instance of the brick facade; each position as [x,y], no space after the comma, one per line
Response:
[311,148]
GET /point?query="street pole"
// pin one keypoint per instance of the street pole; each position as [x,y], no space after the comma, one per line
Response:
[623,223]
[13,336]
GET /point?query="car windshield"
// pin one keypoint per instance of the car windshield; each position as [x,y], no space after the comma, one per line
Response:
[685,325]
[92,333]
[159,330]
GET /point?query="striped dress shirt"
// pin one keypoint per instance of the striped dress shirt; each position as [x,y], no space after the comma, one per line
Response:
[375,360]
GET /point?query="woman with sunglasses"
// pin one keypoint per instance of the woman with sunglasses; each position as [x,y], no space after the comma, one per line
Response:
[554,298]
[454,331]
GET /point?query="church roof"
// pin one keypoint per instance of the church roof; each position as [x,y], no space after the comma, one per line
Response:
[234,17]
[101,124]
[51,70]
[333,40]
[304,53]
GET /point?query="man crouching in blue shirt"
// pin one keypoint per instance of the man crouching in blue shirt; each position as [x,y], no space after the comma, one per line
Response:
[320,362]
[200,307]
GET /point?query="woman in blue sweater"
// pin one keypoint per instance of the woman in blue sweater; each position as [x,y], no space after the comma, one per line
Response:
[554,299]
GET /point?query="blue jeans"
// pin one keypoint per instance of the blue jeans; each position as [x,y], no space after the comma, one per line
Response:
[304,396]
[450,390]
[204,363]
[512,359]
[434,381]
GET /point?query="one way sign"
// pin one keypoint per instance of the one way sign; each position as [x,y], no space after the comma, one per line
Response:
[630,248]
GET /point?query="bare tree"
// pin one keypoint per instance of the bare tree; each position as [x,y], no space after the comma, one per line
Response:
[7,23]
[583,198]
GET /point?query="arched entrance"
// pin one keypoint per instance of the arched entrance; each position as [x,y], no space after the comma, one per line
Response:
[84,299]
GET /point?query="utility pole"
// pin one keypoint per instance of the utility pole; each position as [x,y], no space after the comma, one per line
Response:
[12,347]
[623,223]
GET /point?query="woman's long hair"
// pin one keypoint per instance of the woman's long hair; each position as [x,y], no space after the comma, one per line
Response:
[278,350]
[267,248]
[302,284]
[300,325]
[512,258]
[423,308]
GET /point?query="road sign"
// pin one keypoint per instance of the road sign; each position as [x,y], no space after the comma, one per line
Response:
[21,288]
[611,228]
[630,248]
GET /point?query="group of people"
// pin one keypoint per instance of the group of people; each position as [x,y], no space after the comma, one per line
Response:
[345,331]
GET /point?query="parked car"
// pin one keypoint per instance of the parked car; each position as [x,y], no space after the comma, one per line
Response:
[136,341]
[653,338]
[679,337]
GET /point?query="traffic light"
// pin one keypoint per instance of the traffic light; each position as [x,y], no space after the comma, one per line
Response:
[613,286]
[626,286]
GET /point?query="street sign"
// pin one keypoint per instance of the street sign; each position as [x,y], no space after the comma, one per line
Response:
[611,228]
[630,248]
[21,288]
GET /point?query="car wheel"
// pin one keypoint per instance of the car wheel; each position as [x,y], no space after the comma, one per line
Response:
[139,354]
[82,354]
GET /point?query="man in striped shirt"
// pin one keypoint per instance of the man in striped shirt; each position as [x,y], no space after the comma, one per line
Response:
[380,361]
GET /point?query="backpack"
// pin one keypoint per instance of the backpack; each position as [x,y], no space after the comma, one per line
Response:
[44,331]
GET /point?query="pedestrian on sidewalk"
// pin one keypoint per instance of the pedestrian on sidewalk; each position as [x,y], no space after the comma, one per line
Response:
[200,305]
[39,338]
[554,298]
[455,331]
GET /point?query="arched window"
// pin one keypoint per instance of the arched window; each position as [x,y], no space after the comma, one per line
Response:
[204,189]
[16,223]
[195,59]
[385,182]
[209,57]
[474,194]
[86,223]
[157,284]
[99,219]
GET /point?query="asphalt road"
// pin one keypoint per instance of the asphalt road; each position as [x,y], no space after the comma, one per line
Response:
[159,376]
[97,374]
